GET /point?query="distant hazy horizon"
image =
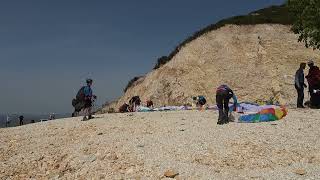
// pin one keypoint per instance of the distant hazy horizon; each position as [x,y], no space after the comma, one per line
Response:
[48,48]
[14,120]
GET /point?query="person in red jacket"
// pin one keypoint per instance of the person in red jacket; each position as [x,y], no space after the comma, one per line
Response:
[314,84]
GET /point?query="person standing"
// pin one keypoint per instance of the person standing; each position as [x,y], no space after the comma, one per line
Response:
[314,83]
[223,96]
[88,98]
[21,120]
[300,85]
[8,121]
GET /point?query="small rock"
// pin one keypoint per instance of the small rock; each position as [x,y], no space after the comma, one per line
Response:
[91,158]
[300,172]
[140,146]
[171,174]
[130,171]
[99,134]
[182,130]
[113,156]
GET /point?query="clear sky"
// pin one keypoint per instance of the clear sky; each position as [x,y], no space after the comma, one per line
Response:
[49,47]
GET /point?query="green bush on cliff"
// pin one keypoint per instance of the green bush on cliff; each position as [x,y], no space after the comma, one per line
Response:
[306,15]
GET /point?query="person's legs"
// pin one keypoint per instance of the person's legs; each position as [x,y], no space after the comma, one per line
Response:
[300,98]
[90,113]
[219,100]
[87,110]
[85,113]
[226,109]
[311,95]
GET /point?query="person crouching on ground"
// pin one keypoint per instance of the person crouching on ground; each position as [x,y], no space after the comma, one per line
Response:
[134,103]
[200,101]
[300,85]
[223,96]
[150,104]
[88,97]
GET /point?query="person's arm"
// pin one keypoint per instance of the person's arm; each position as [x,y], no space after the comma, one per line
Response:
[301,79]
[235,102]
[297,80]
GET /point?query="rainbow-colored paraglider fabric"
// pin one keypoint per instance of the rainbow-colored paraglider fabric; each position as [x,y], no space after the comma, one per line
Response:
[265,115]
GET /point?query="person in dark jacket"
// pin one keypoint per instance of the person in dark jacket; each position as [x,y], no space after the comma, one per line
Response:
[21,120]
[300,85]
[134,103]
[223,96]
[314,84]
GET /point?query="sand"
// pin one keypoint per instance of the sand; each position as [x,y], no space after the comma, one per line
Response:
[148,145]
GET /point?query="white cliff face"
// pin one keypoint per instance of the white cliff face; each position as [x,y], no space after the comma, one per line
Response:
[256,61]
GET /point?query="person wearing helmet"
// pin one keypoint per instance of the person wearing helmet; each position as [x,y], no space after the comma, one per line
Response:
[199,101]
[88,98]
[223,96]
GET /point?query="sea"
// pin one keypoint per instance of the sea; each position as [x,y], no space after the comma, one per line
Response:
[28,118]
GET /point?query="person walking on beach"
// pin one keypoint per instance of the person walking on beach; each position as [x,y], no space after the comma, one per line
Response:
[88,99]
[300,85]
[21,120]
[223,96]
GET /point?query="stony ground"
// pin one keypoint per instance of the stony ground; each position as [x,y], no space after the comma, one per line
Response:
[146,145]
[258,62]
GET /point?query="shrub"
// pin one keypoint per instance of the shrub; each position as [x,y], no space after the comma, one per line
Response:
[131,83]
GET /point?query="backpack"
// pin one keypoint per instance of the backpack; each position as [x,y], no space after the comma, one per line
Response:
[124,108]
[202,99]
[79,97]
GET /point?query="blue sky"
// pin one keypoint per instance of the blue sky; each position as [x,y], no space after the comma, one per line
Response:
[48,48]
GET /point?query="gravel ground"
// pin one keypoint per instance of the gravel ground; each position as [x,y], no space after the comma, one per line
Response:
[146,145]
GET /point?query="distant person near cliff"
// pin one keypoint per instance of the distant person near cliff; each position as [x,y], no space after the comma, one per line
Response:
[150,104]
[8,120]
[223,96]
[300,85]
[21,120]
[314,84]
[134,103]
